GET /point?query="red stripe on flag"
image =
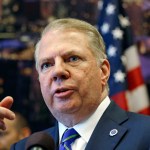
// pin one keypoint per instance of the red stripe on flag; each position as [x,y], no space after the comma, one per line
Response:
[120,99]
[145,111]
[134,78]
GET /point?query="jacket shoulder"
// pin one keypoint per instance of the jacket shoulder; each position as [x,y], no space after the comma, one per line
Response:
[20,145]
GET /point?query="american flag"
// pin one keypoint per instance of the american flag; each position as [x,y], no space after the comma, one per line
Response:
[126,83]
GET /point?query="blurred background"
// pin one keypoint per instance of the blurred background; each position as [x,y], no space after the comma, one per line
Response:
[21,22]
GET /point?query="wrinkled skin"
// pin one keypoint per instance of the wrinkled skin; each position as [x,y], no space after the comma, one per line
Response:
[72,82]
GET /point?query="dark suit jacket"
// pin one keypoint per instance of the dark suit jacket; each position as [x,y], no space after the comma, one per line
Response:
[133,132]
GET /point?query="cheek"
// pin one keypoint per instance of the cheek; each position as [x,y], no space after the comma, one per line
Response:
[42,87]
[45,90]
[91,78]
[44,84]
[90,84]
[11,137]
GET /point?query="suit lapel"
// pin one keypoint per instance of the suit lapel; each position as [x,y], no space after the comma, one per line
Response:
[108,131]
[55,134]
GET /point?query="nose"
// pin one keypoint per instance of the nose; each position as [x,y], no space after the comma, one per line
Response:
[60,72]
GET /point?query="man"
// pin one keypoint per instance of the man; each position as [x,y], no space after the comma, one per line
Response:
[73,73]
[16,130]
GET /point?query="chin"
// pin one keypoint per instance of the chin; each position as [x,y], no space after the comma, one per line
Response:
[67,110]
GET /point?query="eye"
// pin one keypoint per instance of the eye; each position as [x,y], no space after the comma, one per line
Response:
[45,65]
[73,58]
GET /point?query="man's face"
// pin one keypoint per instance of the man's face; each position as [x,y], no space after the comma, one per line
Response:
[8,137]
[70,78]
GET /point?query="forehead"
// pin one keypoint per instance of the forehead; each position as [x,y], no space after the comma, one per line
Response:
[63,41]
[70,34]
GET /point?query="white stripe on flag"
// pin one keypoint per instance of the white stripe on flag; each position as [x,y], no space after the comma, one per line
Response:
[137,99]
[132,58]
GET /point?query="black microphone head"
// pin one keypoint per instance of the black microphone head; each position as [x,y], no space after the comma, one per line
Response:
[40,140]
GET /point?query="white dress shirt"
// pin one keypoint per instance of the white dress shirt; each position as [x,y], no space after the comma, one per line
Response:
[85,128]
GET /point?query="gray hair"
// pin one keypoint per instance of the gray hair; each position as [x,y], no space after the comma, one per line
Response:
[96,43]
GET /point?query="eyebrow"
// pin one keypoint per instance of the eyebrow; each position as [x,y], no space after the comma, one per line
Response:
[63,54]
[69,53]
[44,60]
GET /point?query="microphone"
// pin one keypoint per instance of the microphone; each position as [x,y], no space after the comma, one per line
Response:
[40,141]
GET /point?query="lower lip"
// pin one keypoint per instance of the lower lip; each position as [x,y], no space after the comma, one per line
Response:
[65,94]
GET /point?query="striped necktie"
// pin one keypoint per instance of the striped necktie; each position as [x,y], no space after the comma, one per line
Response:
[69,136]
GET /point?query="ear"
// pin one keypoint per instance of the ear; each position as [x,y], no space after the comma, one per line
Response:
[25,132]
[105,71]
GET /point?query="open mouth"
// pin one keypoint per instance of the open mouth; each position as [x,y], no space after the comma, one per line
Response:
[63,93]
[61,90]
